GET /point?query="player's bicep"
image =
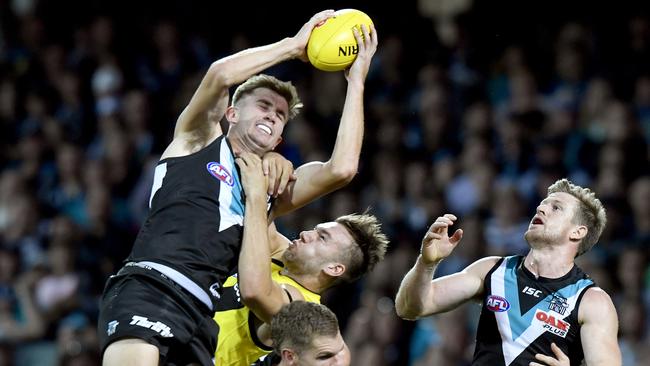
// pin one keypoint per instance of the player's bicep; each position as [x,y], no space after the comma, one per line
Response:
[453,290]
[209,101]
[599,329]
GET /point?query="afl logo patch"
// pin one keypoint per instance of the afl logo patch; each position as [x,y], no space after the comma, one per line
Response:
[497,304]
[220,172]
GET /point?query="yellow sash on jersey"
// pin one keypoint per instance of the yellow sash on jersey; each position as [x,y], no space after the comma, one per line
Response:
[237,344]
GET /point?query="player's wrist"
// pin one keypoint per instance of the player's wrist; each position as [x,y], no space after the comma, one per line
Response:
[428,263]
[293,46]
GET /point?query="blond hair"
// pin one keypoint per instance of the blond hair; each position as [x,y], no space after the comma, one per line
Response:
[284,88]
[297,324]
[590,212]
[370,244]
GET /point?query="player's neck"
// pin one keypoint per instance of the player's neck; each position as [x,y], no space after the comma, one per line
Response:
[308,281]
[549,262]
[240,145]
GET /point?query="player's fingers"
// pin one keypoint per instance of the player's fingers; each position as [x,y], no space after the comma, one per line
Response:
[366,34]
[284,180]
[458,234]
[373,34]
[321,16]
[273,174]
[548,360]
[265,167]
[240,161]
[451,217]
[558,352]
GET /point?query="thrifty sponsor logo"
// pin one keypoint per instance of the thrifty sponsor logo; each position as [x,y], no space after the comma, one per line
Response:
[157,327]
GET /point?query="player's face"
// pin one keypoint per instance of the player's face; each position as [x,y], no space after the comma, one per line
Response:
[261,117]
[325,351]
[552,222]
[321,245]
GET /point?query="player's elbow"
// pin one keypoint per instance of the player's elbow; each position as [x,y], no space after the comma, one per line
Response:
[249,295]
[218,76]
[406,313]
[344,174]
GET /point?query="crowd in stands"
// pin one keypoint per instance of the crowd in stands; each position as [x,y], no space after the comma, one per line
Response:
[468,111]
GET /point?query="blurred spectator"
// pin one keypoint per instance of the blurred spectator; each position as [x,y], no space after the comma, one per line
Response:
[88,98]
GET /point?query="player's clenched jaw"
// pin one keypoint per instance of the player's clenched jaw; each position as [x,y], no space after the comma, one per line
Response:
[258,119]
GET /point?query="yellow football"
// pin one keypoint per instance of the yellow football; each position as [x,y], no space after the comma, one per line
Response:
[332,46]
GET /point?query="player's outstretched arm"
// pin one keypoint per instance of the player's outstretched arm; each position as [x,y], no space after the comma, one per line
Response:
[316,179]
[419,296]
[212,93]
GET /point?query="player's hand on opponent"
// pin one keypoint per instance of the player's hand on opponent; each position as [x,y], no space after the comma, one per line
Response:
[302,37]
[436,244]
[279,172]
[254,181]
[560,360]
[367,41]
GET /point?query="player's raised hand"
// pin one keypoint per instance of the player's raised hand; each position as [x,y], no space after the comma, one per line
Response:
[279,172]
[302,37]
[254,182]
[367,42]
[437,244]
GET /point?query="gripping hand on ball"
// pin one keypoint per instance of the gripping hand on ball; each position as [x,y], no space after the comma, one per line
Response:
[367,41]
[302,37]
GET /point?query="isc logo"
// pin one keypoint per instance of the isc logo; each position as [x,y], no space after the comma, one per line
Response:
[531,291]
[497,303]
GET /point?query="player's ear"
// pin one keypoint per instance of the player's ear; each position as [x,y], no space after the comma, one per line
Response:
[277,143]
[232,114]
[289,356]
[334,269]
[578,232]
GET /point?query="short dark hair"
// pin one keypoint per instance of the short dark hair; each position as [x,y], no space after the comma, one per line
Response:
[297,324]
[370,248]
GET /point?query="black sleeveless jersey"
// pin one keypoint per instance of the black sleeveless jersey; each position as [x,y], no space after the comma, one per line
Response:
[195,219]
[522,315]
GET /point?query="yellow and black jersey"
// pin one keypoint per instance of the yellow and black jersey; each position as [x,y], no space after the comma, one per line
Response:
[238,343]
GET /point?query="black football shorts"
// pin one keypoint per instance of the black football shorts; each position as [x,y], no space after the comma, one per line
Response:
[143,303]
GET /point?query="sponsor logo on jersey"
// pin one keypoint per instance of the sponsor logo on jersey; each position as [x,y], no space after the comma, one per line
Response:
[112,326]
[157,327]
[214,290]
[558,304]
[531,291]
[497,303]
[552,324]
[220,172]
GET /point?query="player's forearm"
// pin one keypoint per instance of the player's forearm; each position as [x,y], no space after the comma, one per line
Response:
[415,292]
[255,256]
[236,68]
[347,148]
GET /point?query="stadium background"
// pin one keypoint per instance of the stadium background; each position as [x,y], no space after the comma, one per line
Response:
[472,107]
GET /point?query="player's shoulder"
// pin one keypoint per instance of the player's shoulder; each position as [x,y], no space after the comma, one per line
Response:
[482,266]
[596,296]
[595,304]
